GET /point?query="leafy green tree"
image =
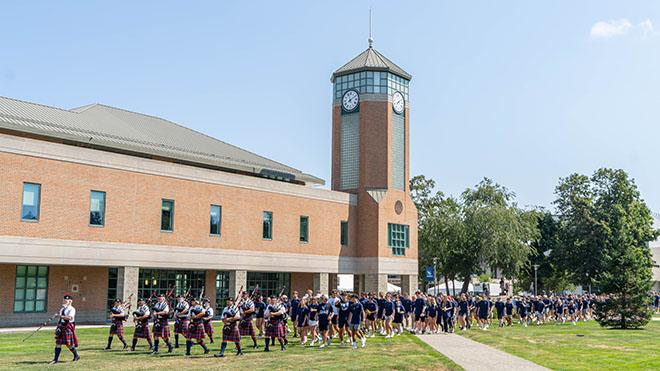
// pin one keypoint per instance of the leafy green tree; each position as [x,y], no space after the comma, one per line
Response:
[606,228]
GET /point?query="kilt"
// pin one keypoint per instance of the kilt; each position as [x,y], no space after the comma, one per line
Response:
[208,327]
[163,330]
[67,336]
[230,333]
[247,327]
[142,331]
[196,330]
[117,328]
[275,328]
[181,327]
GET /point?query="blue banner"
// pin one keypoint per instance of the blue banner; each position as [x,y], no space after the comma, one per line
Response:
[430,274]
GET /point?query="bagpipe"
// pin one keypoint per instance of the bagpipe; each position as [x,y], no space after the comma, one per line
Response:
[123,308]
[276,316]
[175,303]
[44,324]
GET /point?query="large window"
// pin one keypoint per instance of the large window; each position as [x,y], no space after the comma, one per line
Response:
[97,209]
[158,280]
[269,283]
[112,288]
[216,216]
[167,216]
[221,291]
[397,238]
[31,290]
[304,229]
[371,82]
[343,234]
[31,198]
[267,233]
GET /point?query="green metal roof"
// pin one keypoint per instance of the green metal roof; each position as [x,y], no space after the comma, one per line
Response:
[370,60]
[103,126]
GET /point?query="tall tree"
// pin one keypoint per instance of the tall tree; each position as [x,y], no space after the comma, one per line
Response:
[606,230]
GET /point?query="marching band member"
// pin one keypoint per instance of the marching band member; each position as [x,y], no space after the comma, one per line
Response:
[181,319]
[65,334]
[275,328]
[141,319]
[208,318]
[118,317]
[161,317]
[230,316]
[247,323]
[196,326]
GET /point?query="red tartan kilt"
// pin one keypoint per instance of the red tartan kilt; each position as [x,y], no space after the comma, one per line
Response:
[276,330]
[68,337]
[119,328]
[164,331]
[196,331]
[208,328]
[231,333]
[247,328]
[181,327]
[143,332]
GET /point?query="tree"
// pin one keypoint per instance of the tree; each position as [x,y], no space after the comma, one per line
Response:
[606,229]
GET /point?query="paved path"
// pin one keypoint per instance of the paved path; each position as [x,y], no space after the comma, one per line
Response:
[474,356]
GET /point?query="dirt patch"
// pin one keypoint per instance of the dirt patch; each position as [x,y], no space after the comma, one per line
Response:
[603,346]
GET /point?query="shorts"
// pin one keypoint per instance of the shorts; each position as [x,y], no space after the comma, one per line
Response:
[323,326]
[343,322]
[334,319]
[539,314]
[313,323]
[483,315]
[371,317]
[354,326]
[398,319]
[388,317]
[419,317]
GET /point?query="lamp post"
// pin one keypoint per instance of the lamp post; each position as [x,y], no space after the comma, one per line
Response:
[536,268]
[588,279]
[435,277]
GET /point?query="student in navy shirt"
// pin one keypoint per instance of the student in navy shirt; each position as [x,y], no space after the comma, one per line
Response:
[499,307]
[380,323]
[302,319]
[343,304]
[260,307]
[325,316]
[293,312]
[399,314]
[371,309]
[508,307]
[420,308]
[462,312]
[355,316]
[388,315]
[407,305]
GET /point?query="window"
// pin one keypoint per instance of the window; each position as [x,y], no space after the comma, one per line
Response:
[267,233]
[167,216]
[304,229]
[112,288]
[397,238]
[160,280]
[97,209]
[31,288]
[269,283]
[31,197]
[343,238]
[221,291]
[216,215]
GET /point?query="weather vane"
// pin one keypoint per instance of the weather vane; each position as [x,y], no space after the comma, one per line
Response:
[371,39]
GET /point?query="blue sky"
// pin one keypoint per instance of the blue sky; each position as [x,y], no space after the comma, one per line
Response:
[524,92]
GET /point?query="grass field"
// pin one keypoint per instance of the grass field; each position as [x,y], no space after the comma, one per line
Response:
[404,352]
[560,347]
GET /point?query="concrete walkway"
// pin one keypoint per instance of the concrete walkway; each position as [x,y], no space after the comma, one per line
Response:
[474,356]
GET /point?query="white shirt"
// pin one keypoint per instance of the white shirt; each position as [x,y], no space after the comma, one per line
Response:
[69,311]
[332,302]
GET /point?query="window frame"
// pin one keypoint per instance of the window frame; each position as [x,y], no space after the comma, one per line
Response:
[90,209]
[300,238]
[342,233]
[398,250]
[38,203]
[219,221]
[162,201]
[25,288]
[270,229]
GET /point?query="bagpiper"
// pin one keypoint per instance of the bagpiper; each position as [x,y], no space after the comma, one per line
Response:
[230,317]
[275,327]
[181,319]
[246,326]
[196,326]
[118,317]
[141,319]
[208,318]
[65,333]
[161,317]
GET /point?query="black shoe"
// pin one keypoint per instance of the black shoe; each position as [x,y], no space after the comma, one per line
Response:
[221,354]
[132,350]
[286,341]
[295,336]
[169,349]
[52,362]
[207,350]
[211,341]
[187,354]
[283,348]
[76,359]
[266,350]
[176,346]
[239,353]
[255,346]
[106,348]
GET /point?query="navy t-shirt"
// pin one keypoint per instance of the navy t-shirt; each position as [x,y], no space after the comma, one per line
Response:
[399,310]
[313,311]
[294,307]
[509,309]
[419,306]
[371,307]
[381,303]
[462,307]
[483,307]
[324,312]
[343,310]
[407,305]
[356,311]
[500,307]
[388,307]
[260,308]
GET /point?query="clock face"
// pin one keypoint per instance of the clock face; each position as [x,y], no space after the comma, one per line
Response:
[397,102]
[350,100]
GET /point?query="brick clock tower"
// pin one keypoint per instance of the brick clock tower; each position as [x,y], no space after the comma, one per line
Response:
[370,158]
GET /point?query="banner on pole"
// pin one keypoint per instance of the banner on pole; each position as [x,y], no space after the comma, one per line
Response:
[430,274]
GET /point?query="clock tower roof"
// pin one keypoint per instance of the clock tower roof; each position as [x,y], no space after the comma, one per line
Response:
[370,60]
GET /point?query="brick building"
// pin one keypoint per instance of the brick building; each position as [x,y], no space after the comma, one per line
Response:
[103,203]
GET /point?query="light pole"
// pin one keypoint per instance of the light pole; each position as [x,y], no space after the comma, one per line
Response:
[589,282]
[536,268]
[435,277]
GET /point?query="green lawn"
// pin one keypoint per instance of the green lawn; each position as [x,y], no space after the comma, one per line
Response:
[404,352]
[560,347]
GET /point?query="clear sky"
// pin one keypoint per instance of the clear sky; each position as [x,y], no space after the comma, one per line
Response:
[524,92]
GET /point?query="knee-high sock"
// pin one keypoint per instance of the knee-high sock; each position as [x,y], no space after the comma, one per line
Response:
[267,342]
[156,345]
[134,343]
[57,354]
[188,346]
[176,340]
[201,342]
[238,346]
[150,343]
[122,339]
[73,350]
[167,341]
[223,347]
[254,338]
[109,341]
